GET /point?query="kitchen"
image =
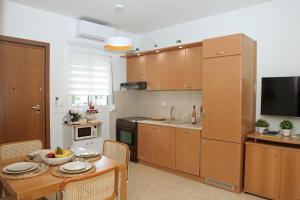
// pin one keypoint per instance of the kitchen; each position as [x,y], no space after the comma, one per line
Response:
[217,157]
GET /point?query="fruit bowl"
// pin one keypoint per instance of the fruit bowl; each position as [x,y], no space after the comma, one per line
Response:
[58,159]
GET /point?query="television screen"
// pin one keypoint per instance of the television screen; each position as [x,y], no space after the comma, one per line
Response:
[281,96]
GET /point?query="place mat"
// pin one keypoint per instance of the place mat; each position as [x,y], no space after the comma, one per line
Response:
[89,159]
[30,174]
[56,172]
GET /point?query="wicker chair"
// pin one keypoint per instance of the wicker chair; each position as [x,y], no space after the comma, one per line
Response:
[117,151]
[18,149]
[95,186]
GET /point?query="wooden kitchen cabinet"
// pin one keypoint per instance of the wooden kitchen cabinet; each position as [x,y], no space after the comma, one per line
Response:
[154,70]
[262,171]
[144,142]
[136,69]
[290,176]
[222,98]
[173,70]
[224,46]
[229,90]
[221,163]
[163,146]
[188,151]
[193,68]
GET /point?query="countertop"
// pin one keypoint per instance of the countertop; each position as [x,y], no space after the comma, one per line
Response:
[176,125]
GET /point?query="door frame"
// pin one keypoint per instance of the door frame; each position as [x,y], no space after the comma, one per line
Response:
[46,46]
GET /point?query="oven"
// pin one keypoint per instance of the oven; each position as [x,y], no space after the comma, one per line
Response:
[126,132]
[85,132]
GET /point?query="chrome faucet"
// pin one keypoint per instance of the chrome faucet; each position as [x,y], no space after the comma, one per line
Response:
[172,118]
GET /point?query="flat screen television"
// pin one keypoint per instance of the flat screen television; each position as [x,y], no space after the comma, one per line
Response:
[281,96]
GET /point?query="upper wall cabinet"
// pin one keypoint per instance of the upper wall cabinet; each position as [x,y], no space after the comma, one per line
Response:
[173,70]
[223,46]
[193,68]
[136,69]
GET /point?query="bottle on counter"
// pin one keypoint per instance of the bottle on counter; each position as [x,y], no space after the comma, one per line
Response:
[194,115]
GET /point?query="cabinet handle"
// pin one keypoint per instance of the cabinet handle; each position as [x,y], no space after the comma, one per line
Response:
[220,52]
[192,86]
[203,142]
[187,132]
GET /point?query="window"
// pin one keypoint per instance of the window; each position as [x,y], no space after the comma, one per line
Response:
[89,76]
[85,100]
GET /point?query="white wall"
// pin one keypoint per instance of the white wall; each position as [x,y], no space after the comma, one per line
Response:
[29,23]
[274,25]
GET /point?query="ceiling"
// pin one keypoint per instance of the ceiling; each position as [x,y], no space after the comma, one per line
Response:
[140,16]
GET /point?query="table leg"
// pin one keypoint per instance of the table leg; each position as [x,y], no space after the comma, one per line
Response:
[123,184]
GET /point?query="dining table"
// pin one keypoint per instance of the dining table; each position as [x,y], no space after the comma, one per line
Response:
[45,184]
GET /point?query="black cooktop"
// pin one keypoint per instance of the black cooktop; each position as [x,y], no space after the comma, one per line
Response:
[134,119]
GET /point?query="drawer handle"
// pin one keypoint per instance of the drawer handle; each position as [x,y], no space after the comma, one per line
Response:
[187,132]
[192,86]
[220,52]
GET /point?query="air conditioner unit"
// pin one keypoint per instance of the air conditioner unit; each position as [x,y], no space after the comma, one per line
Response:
[95,31]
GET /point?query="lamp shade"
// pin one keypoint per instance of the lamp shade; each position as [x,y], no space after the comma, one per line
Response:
[117,43]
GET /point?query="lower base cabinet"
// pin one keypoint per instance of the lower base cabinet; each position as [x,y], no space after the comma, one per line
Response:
[188,151]
[262,169]
[156,144]
[272,171]
[221,163]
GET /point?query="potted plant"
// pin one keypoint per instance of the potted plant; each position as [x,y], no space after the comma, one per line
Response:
[286,127]
[261,124]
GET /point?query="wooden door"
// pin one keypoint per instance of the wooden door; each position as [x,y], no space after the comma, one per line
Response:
[193,68]
[221,161]
[136,69]
[222,98]
[23,92]
[290,176]
[262,170]
[173,70]
[163,146]
[144,142]
[154,65]
[188,151]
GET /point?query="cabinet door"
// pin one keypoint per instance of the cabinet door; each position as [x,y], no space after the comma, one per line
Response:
[223,46]
[193,68]
[262,170]
[221,161]
[222,98]
[188,151]
[163,148]
[173,70]
[290,176]
[136,69]
[144,142]
[154,65]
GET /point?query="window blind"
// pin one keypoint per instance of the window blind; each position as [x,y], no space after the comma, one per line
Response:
[89,72]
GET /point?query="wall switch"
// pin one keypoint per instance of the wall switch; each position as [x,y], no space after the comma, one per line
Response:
[163,103]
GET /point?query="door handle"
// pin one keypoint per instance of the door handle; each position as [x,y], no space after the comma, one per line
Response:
[37,108]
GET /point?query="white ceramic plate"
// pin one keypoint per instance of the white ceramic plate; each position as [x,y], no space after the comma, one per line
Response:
[7,169]
[87,167]
[20,166]
[74,166]
[85,152]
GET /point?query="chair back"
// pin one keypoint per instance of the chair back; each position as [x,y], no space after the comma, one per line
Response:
[18,149]
[96,186]
[117,151]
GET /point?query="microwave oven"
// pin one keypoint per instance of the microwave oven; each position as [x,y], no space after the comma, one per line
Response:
[85,132]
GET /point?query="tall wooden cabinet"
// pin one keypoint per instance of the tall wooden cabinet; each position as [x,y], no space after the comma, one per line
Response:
[136,69]
[229,78]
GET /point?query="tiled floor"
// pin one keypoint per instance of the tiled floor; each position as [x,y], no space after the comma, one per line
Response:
[146,183]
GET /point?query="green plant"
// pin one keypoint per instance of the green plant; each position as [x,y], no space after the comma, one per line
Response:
[286,124]
[262,123]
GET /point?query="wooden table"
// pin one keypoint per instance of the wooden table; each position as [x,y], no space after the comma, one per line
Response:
[45,184]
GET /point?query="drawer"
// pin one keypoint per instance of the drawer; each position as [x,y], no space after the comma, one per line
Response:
[223,46]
